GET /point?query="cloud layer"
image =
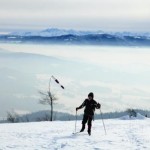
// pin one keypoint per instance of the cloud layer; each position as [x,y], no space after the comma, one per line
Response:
[79,14]
[119,77]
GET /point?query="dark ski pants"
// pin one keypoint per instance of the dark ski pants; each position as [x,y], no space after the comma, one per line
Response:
[87,119]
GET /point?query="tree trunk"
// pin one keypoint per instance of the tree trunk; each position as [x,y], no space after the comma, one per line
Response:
[51,110]
[51,99]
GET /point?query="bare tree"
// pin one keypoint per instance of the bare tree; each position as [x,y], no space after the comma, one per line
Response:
[12,117]
[46,117]
[27,118]
[55,116]
[131,112]
[69,117]
[48,99]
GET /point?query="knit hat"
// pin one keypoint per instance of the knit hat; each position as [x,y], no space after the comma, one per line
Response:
[91,95]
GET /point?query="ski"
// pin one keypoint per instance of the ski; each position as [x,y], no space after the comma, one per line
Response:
[75,133]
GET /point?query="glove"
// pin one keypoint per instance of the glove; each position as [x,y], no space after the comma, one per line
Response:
[98,106]
[77,109]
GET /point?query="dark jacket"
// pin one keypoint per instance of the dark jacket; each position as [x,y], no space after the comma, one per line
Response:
[90,106]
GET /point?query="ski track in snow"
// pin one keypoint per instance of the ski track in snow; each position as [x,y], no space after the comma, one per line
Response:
[121,135]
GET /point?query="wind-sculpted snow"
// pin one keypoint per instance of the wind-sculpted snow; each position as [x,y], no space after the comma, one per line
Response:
[121,135]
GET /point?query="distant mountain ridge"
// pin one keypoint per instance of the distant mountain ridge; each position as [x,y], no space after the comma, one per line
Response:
[63,36]
[51,32]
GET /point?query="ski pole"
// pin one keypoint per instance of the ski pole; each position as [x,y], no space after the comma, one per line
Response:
[76,122]
[103,121]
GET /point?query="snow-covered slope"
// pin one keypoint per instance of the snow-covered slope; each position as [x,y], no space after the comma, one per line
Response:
[121,135]
[139,116]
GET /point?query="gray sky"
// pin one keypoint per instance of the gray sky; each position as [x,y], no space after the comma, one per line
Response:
[114,15]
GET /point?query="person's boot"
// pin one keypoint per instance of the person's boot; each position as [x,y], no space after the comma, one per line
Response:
[89,130]
[83,127]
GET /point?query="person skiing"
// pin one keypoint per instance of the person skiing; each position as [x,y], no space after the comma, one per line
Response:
[90,104]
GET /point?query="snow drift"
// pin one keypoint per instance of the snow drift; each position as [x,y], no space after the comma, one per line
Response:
[127,117]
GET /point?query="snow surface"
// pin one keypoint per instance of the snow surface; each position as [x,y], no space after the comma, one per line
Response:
[121,135]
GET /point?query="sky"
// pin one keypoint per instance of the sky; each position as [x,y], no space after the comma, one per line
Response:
[107,15]
[120,77]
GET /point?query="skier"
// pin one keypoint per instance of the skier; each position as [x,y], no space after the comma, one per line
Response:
[90,104]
